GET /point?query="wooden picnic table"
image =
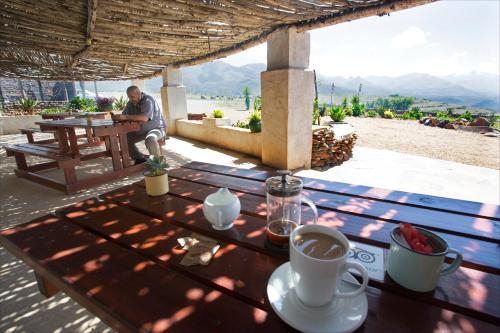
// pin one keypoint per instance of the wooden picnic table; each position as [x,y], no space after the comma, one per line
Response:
[68,149]
[64,115]
[117,255]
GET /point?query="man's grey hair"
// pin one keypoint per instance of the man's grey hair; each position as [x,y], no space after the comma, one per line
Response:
[133,88]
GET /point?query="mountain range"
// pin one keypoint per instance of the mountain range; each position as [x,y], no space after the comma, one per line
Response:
[480,90]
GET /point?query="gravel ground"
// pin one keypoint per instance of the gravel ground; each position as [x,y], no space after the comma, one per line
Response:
[408,136]
[404,136]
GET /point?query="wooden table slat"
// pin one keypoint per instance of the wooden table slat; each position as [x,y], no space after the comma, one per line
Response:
[118,257]
[452,289]
[471,208]
[478,253]
[132,293]
[480,228]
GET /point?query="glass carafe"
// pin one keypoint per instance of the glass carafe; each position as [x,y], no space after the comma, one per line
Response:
[284,207]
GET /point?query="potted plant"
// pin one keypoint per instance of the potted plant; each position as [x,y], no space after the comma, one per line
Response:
[216,119]
[217,114]
[28,105]
[337,114]
[255,122]
[156,176]
[120,104]
[105,104]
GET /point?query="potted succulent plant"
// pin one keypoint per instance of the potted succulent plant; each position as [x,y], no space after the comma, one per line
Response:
[255,122]
[156,176]
[28,105]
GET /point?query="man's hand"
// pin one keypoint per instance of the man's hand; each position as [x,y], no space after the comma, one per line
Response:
[118,117]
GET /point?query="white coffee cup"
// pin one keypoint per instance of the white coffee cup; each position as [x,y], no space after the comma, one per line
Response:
[316,280]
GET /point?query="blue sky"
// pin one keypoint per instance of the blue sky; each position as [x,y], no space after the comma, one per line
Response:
[441,38]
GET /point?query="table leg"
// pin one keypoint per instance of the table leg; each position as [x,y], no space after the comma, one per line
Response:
[73,141]
[88,133]
[21,161]
[45,287]
[69,175]
[63,139]
[124,150]
[115,152]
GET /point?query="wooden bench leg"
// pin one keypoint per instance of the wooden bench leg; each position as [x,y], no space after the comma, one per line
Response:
[29,135]
[21,161]
[69,175]
[46,288]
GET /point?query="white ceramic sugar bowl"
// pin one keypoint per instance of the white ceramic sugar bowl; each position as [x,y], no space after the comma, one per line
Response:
[221,209]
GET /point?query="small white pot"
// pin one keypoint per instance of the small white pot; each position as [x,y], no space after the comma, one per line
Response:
[156,185]
[221,209]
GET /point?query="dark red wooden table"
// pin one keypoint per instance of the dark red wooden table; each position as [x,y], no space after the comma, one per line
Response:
[115,138]
[117,256]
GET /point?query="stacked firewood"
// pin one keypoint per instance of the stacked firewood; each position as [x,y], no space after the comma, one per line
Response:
[327,151]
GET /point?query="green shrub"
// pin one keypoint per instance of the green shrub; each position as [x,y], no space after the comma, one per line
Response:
[241,124]
[414,114]
[257,103]
[217,113]
[388,114]
[395,102]
[467,115]
[316,113]
[336,113]
[81,104]
[28,104]
[371,114]
[358,109]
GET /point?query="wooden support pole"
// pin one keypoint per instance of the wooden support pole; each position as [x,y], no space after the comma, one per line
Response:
[95,87]
[82,86]
[65,91]
[21,89]
[40,89]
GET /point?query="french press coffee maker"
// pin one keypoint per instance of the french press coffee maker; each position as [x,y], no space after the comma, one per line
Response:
[284,208]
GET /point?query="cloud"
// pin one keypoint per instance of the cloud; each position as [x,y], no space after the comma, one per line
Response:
[411,37]
[489,67]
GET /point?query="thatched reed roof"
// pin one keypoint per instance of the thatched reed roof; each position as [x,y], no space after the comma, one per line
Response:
[123,39]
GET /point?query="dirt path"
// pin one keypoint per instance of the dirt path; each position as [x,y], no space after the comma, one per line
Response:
[408,136]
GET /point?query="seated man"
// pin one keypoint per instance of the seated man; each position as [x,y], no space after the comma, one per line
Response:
[143,108]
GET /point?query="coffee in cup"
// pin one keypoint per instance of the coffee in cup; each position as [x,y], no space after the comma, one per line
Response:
[318,259]
[319,245]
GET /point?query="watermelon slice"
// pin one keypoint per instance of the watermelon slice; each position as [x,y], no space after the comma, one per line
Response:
[417,241]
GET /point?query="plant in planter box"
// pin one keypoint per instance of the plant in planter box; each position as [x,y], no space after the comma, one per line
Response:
[156,176]
[217,114]
[81,104]
[255,122]
[105,103]
[120,103]
[53,110]
[28,105]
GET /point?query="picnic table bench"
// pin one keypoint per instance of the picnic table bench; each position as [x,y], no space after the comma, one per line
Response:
[66,153]
[117,255]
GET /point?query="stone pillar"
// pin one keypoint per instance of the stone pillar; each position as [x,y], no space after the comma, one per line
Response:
[139,84]
[173,98]
[287,90]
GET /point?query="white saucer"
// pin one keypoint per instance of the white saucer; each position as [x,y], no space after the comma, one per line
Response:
[341,316]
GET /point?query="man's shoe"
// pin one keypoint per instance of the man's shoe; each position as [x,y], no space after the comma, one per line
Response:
[140,160]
